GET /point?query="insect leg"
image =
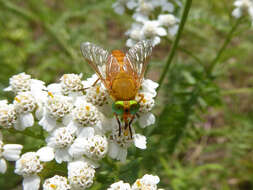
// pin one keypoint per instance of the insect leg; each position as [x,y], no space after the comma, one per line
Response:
[118,124]
[95,82]
[142,97]
[129,125]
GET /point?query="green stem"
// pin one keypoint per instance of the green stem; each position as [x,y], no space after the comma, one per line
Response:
[48,28]
[175,43]
[224,46]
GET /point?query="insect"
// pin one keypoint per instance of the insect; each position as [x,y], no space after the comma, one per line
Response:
[122,75]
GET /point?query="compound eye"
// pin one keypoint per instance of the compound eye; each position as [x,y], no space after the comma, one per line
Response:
[118,108]
[134,108]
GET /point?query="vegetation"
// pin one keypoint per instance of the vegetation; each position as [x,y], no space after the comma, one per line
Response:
[203,135]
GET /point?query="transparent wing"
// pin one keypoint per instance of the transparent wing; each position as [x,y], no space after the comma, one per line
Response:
[138,57]
[97,57]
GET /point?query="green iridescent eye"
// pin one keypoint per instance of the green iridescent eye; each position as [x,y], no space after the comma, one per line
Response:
[118,107]
[134,107]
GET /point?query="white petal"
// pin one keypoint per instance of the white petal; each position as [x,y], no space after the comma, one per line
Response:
[76,150]
[119,9]
[140,17]
[238,3]
[151,84]
[55,88]
[67,119]
[62,155]
[86,132]
[146,119]
[156,40]
[12,151]
[131,4]
[130,42]
[237,13]
[31,182]
[168,7]
[161,31]
[45,154]
[3,166]
[173,30]
[3,102]
[140,141]
[251,12]
[113,150]
[21,123]
[26,120]
[150,87]
[39,111]
[48,123]
[122,155]
[9,88]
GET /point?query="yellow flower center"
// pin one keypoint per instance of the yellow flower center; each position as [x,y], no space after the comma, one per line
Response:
[50,94]
[53,186]
[87,108]
[17,99]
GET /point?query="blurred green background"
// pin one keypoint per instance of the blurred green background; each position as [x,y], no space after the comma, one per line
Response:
[203,136]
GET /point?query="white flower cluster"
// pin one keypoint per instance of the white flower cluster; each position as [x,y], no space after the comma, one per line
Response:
[10,152]
[81,126]
[147,182]
[243,7]
[148,23]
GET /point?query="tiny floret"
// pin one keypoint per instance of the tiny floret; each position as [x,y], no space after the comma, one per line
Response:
[71,83]
[28,164]
[146,182]
[58,106]
[80,175]
[56,183]
[96,147]
[20,83]
[120,186]
[24,102]
[97,95]
[8,114]
[85,114]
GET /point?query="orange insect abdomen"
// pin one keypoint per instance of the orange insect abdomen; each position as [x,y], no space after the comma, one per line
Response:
[123,85]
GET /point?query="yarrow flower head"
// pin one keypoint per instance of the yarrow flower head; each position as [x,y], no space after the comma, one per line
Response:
[85,114]
[56,183]
[20,83]
[243,7]
[120,186]
[60,140]
[148,24]
[8,114]
[96,94]
[71,83]
[24,103]
[10,152]
[146,182]
[57,108]
[30,164]
[80,174]
[23,82]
